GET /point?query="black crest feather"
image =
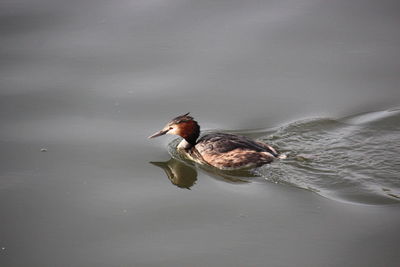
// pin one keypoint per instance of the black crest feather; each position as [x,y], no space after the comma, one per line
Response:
[182,118]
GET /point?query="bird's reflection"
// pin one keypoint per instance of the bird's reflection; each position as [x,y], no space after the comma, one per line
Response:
[185,176]
[178,173]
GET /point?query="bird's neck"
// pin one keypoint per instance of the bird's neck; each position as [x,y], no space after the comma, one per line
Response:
[190,131]
[184,145]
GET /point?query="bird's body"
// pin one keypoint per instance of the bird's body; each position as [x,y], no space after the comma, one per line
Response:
[220,150]
[228,151]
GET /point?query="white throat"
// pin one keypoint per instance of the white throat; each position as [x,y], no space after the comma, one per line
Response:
[184,145]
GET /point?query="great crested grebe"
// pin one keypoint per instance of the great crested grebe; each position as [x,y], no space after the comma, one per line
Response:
[221,150]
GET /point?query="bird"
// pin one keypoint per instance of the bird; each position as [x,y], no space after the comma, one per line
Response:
[220,150]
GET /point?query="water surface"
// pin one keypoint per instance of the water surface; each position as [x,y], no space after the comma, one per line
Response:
[87,81]
[351,159]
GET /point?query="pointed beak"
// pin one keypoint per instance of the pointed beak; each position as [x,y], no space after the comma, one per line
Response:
[162,132]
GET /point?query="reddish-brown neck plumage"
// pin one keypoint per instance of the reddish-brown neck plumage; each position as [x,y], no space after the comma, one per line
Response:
[189,130]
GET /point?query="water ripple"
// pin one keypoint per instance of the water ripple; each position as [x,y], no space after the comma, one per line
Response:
[355,159]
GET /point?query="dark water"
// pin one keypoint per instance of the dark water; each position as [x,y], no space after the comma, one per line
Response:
[83,83]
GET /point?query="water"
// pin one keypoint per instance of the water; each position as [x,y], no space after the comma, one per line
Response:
[353,159]
[83,83]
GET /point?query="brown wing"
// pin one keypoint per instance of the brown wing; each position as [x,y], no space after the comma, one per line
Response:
[228,151]
[237,158]
[222,143]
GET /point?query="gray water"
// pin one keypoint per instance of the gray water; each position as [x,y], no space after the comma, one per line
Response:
[353,159]
[83,83]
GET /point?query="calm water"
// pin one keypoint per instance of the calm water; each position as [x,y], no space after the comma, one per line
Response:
[83,83]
